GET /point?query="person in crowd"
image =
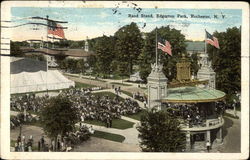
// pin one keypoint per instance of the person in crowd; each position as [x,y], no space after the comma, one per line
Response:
[39,146]
[16,147]
[42,143]
[91,130]
[208,146]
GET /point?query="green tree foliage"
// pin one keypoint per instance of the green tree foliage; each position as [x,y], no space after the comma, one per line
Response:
[39,57]
[15,49]
[69,44]
[60,57]
[58,117]
[160,132]
[128,46]
[194,64]
[226,61]
[104,54]
[147,56]
[73,65]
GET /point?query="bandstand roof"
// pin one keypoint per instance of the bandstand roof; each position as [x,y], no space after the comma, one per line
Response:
[190,94]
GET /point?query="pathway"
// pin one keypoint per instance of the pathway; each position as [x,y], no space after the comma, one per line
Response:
[107,83]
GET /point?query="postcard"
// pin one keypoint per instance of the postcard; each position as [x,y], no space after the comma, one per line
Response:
[124,80]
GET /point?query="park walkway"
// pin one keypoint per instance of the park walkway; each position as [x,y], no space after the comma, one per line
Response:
[108,83]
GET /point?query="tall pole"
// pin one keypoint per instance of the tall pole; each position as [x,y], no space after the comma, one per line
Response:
[47,54]
[205,42]
[156,50]
[47,40]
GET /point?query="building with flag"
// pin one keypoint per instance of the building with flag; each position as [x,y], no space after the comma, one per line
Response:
[195,103]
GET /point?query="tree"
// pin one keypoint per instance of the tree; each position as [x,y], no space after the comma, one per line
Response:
[194,63]
[128,46]
[58,117]
[15,49]
[104,54]
[226,61]
[147,57]
[160,132]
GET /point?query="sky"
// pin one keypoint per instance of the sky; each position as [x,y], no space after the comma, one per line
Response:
[95,22]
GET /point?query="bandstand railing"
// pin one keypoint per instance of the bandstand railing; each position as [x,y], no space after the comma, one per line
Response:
[204,125]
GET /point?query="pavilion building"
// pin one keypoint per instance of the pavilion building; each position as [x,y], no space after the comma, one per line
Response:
[200,93]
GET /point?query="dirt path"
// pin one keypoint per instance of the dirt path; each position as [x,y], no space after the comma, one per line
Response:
[102,145]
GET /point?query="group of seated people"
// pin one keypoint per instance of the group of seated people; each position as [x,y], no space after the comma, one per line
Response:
[194,115]
[28,102]
[16,121]
[94,107]
[90,106]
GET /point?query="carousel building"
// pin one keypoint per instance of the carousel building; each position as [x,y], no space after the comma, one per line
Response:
[196,102]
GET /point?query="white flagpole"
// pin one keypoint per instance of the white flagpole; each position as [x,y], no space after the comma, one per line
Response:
[47,40]
[47,54]
[156,50]
[205,42]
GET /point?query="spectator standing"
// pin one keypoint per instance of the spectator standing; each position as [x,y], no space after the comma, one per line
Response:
[208,146]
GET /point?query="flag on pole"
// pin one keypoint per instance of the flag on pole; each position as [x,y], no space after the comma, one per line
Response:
[165,47]
[55,29]
[212,40]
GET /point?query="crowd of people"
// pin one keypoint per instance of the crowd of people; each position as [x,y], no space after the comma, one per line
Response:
[90,106]
[20,118]
[104,108]
[64,144]
[22,145]
[28,102]
[194,115]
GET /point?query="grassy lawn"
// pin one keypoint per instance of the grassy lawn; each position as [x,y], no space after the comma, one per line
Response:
[83,85]
[136,116]
[45,91]
[117,77]
[116,123]
[122,84]
[127,93]
[100,80]
[109,136]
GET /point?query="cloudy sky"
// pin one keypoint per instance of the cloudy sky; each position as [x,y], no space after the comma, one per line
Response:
[94,22]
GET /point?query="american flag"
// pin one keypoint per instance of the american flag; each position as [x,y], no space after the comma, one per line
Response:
[55,29]
[165,48]
[212,40]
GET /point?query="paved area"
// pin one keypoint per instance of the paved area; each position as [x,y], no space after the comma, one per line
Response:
[94,144]
[28,130]
[232,136]
[106,83]
[102,145]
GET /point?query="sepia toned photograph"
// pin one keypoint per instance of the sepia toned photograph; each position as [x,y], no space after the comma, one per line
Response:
[123,79]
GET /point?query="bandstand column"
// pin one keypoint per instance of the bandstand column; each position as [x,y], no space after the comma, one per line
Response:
[219,135]
[208,136]
[188,141]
